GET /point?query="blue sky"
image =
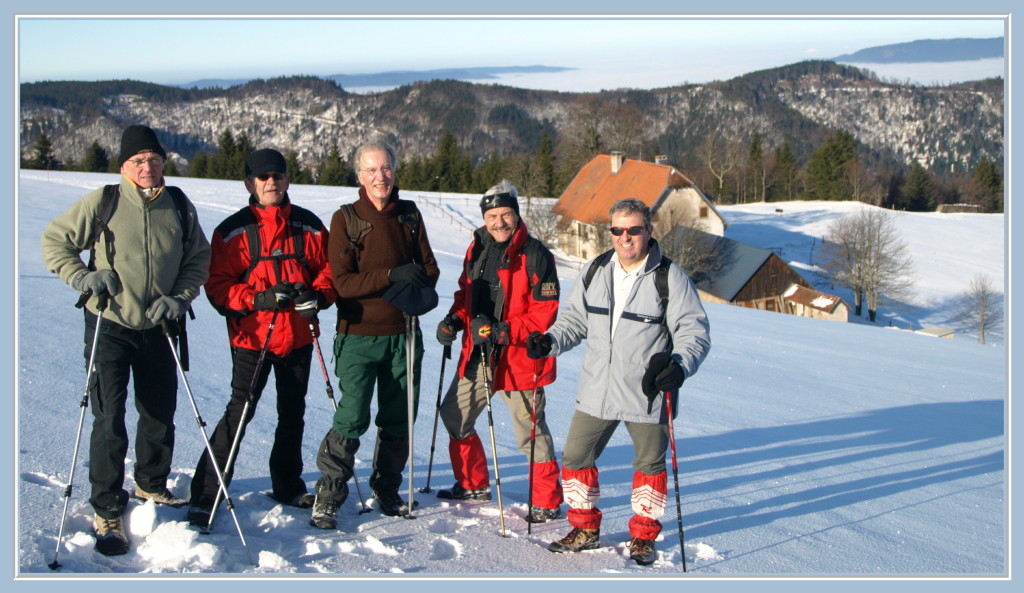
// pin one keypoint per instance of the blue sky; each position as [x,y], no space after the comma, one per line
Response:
[609,52]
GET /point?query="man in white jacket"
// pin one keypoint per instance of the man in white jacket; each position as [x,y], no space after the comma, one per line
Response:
[646,332]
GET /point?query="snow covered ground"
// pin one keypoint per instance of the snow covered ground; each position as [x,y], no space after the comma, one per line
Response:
[806,448]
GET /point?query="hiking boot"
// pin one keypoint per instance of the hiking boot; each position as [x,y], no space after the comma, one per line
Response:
[161,496]
[542,515]
[577,541]
[325,513]
[457,492]
[111,539]
[642,551]
[391,504]
[199,516]
[302,501]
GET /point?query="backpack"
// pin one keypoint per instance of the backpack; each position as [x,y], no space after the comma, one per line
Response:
[660,283]
[356,228]
[245,219]
[108,205]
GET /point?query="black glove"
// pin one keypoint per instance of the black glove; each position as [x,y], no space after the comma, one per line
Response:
[98,282]
[487,332]
[278,296]
[538,345]
[308,300]
[448,329]
[414,274]
[663,374]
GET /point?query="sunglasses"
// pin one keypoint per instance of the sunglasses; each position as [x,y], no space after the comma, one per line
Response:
[274,176]
[633,230]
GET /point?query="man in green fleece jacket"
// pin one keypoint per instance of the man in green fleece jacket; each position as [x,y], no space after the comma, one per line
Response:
[147,269]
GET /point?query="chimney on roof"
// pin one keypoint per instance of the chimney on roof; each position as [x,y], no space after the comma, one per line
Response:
[661,159]
[618,159]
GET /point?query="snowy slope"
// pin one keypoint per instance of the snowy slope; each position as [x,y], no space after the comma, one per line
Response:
[806,447]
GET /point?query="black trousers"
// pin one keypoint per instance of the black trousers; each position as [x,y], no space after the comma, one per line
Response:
[291,374]
[144,356]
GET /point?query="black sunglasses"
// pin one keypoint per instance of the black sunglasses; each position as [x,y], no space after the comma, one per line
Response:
[274,176]
[633,230]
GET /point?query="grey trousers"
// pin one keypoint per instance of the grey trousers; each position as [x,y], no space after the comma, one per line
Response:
[588,436]
[466,399]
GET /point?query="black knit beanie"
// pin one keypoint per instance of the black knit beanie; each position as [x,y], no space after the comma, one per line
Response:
[502,200]
[138,139]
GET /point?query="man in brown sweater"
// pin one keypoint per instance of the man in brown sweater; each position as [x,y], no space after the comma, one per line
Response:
[385,246]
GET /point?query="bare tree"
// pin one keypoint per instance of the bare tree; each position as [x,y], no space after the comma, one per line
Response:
[542,222]
[980,308]
[864,253]
[703,256]
[720,157]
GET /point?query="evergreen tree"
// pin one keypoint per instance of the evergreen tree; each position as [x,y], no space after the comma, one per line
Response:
[826,169]
[200,165]
[986,187]
[44,157]
[296,172]
[918,193]
[488,173]
[96,159]
[756,171]
[334,171]
[222,164]
[450,166]
[787,174]
[236,164]
[542,170]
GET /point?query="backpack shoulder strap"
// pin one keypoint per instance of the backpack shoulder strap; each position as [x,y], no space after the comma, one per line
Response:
[661,280]
[108,204]
[181,205]
[599,262]
[356,227]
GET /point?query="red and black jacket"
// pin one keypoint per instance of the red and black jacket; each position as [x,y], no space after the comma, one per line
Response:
[529,302]
[235,277]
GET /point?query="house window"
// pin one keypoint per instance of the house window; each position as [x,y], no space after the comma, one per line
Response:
[703,211]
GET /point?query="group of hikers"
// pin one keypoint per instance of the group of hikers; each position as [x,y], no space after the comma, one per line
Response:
[272,267]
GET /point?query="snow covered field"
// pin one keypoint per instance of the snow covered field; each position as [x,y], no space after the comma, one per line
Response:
[807,448]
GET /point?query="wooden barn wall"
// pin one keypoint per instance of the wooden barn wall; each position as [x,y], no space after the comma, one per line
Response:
[771,280]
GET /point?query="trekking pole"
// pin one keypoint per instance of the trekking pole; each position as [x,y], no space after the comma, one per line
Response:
[437,411]
[675,477]
[410,365]
[533,447]
[313,325]
[100,306]
[250,397]
[171,329]
[490,425]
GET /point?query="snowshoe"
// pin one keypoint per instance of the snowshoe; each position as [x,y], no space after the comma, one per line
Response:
[542,515]
[391,504]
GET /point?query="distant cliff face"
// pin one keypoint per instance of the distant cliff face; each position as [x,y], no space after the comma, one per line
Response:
[948,129]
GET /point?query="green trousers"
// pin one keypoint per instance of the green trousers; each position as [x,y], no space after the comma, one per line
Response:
[363,363]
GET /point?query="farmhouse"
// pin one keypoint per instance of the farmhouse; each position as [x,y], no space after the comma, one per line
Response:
[673,198]
[807,302]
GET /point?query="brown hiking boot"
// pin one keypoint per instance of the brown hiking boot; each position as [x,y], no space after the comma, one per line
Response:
[577,541]
[111,539]
[642,551]
[162,496]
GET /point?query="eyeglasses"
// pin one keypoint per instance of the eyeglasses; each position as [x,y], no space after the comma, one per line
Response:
[274,176]
[372,172]
[633,230]
[153,161]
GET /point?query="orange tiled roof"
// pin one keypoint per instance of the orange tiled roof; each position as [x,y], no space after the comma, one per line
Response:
[592,193]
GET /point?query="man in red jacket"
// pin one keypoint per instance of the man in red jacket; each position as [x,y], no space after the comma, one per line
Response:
[508,288]
[269,276]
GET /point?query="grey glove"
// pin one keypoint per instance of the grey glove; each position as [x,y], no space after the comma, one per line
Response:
[166,308]
[98,282]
